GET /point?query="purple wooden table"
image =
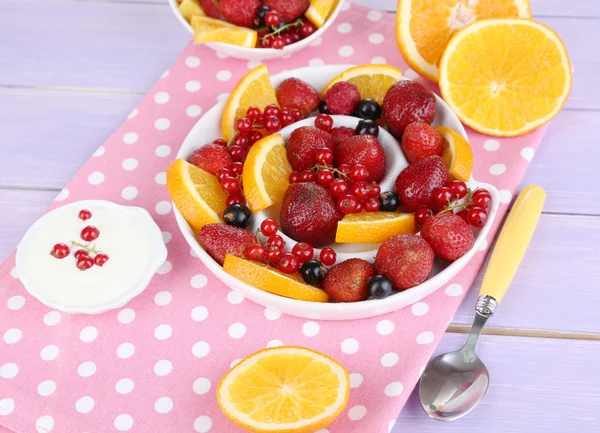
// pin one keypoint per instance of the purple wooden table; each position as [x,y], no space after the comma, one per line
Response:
[71,70]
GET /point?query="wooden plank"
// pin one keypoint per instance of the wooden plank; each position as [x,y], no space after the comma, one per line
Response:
[537,386]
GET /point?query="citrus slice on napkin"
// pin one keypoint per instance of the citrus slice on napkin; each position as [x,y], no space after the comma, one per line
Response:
[266,173]
[190,8]
[253,90]
[505,77]
[212,30]
[457,154]
[284,390]
[319,11]
[271,280]
[196,193]
[373,81]
[374,227]
[424,27]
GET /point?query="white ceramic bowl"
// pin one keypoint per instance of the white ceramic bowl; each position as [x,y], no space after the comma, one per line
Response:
[125,231]
[208,129]
[258,54]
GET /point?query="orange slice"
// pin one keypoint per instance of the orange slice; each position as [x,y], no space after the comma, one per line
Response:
[319,11]
[457,154]
[212,30]
[374,227]
[196,193]
[266,173]
[190,8]
[284,390]
[373,81]
[253,90]
[271,280]
[505,77]
[424,27]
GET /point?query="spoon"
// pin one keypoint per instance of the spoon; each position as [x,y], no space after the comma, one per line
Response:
[453,384]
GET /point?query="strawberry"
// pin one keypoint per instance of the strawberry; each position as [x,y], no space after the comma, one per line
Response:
[211,158]
[406,259]
[290,10]
[349,281]
[415,184]
[449,235]
[294,93]
[303,144]
[341,134]
[309,214]
[211,9]
[362,149]
[421,140]
[342,98]
[240,12]
[218,240]
[407,102]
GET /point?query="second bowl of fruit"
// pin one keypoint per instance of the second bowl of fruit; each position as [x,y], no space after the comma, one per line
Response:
[334,192]
[256,29]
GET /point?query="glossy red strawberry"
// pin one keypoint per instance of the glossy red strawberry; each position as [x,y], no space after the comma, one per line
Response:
[349,281]
[341,134]
[362,149]
[421,140]
[449,235]
[415,184]
[303,144]
[407,102]
[342,98]
[294,93]
[211,9]
[290,10]
[240,12]
[218,240]
[211,158]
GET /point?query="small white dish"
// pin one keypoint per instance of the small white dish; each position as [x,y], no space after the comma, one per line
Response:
[128,235]
[259,54]
[208,129]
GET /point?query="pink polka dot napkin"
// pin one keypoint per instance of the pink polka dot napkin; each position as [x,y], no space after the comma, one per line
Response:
[154,365]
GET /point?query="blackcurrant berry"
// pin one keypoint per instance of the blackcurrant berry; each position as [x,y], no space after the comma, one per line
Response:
[367,127]
[260,15]
[237,215]
[380,287]
[368,109]
[323,108]
[389,201]
[313,272]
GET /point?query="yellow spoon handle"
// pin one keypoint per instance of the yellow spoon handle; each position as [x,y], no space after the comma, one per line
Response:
[513,242]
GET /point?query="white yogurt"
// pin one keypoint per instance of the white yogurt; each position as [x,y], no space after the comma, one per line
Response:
[128,235]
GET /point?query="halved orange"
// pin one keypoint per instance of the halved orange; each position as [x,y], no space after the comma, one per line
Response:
[457,154]
[190,8]
[253,90]
[505,77]
[212,30]
[284,389]
[424,27]
[374,227]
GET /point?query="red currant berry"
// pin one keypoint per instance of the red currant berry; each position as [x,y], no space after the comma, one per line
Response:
[422,215]
[60,251]
[288,263]
[241,139]
[441,197]
[236,168]
[294,177]
[89,233]
[80,253]
[85,262]
[306,29]
[85,214]
[267,42]
[463,214]
[254,136]
[303,251]
[272,19]
[100,259]
[371,204]
[359,190]
[272,110]
[257,253]
[297,114]
[324,122]
[220,142]
[231,185]
[324,156]
[476,216]
[325,177]
[482,200]
[273,255]
[294,33]
[268,227]
[288,39]
[358,172]
[278,42]
[244,125]
[237,198]
[287,119]
[359,207]
[328,256]
[276,241]
[237,153]
[345,168]
[373,190]
[254,114]
[272,124]
[308,176]
[347,204]
[225,172]
[338,188]
[458,189]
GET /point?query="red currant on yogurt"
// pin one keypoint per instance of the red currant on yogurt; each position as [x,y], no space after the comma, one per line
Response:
[328,256]
[80,253]
[89,233]
[85,262]
[85,214]
[60,251]
[100,259]
[269,227]
[303,251]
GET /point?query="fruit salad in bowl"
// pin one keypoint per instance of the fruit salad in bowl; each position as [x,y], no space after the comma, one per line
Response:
[256,29]
[335,192]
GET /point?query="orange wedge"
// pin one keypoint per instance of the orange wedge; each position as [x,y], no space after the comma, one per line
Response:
[196,193]
[212,30]
[284,390]
[457,154]
[373,81]
[424,27]
[374,227]
[190,8]
[505,77]
[253,90]
[319,11]
[271,280]
[266,173]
